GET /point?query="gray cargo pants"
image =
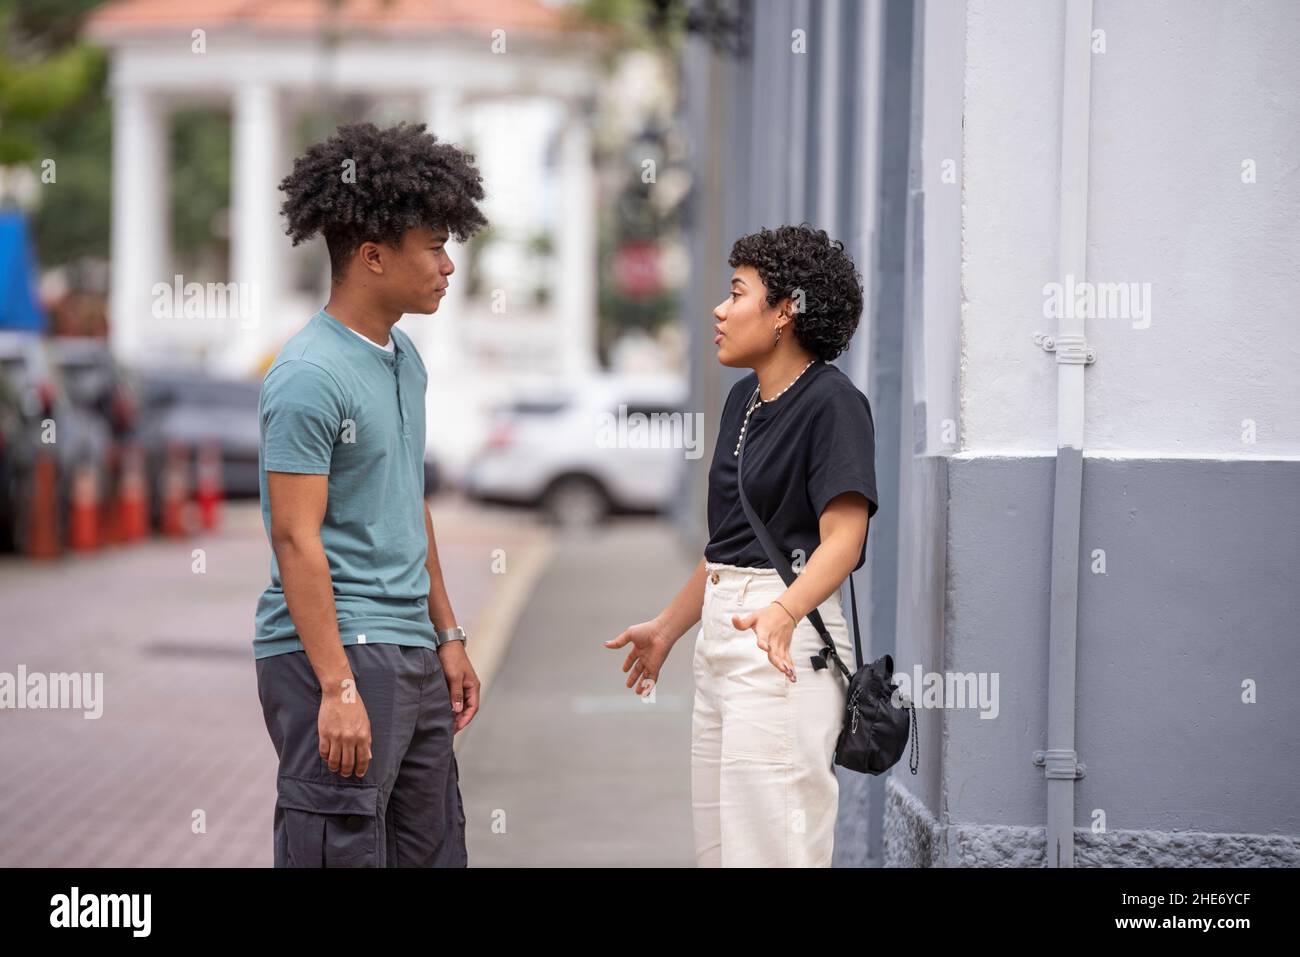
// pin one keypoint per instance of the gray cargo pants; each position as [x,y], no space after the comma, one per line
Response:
[407,810]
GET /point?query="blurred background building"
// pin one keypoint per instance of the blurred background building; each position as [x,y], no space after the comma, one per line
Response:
[284,74]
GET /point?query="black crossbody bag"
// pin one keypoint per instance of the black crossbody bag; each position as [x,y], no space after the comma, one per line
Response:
[875,731]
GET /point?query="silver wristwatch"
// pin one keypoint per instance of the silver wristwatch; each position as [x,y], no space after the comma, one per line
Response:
[451,634]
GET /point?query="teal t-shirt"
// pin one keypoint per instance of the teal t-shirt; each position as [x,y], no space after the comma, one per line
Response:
[333,404]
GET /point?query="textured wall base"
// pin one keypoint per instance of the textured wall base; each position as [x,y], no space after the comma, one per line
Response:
[915,838]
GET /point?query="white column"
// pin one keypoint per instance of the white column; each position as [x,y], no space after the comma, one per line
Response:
[438,336]
[257,236]
[140,221]
[575,241]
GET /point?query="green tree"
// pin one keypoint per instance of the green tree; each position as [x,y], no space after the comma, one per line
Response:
[52,108]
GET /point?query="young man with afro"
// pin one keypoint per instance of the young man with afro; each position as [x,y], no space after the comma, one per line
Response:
[361,667]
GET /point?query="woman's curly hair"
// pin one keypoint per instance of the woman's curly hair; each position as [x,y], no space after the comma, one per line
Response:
[790,259]
[399,178]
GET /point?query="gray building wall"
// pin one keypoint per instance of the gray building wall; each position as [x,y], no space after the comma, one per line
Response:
[1196,597]
[1186,592]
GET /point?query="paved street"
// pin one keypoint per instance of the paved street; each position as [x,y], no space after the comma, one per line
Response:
[179,770]
[565,765]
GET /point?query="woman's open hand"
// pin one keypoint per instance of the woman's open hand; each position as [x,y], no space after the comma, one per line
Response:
[650,647]
[774,628]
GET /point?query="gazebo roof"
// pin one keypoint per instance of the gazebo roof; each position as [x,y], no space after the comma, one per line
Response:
[122,19]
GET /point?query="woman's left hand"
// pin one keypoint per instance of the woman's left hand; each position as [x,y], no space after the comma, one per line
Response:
[774,628]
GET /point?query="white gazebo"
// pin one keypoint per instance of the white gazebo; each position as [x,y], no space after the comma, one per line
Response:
[269,60]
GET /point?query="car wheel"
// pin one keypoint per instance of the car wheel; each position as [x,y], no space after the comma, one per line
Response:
[575,502]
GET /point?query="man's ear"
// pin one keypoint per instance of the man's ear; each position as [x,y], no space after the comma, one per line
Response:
[371,257]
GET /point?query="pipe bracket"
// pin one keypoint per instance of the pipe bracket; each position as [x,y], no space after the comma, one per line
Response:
[1069,349]
[1061,764]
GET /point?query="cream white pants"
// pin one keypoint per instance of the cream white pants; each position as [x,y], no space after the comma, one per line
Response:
[763,789]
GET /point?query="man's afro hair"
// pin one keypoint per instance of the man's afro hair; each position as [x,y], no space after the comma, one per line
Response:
[399,178]
[793,258]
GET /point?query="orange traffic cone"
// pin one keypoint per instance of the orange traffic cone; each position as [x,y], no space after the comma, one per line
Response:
[83,510]
[43,510]
[132,496]
[207,485]
[175,493]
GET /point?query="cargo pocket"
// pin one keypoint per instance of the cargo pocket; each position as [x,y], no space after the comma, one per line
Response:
[328,825]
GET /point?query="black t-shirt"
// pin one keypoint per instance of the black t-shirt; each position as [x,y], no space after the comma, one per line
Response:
[814,442]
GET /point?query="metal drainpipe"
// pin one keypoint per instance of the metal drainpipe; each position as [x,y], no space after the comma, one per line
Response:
[1060,760]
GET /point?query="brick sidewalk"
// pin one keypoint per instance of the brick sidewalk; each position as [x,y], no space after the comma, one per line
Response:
[182,729]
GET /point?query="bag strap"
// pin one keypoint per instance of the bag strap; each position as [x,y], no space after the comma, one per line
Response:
[857,640]
[782,566]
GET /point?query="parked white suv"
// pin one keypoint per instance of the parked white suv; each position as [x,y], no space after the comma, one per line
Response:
[582,448]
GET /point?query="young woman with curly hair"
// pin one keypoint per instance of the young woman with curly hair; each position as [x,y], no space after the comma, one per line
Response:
[361,667]
[765,721]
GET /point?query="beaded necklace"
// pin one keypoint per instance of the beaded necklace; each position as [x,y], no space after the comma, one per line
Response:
[754,401]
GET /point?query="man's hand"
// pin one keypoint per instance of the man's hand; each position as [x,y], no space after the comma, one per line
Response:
[462,682]
[344,728]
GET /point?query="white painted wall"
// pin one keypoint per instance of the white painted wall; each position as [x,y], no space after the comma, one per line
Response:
[1009,225]
[1179,102]
[1182,95]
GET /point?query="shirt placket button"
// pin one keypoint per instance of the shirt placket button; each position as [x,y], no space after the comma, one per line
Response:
[401,406]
